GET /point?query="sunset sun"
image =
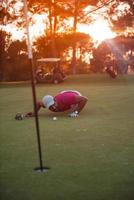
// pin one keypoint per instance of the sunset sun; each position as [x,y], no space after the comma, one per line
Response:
[99,30]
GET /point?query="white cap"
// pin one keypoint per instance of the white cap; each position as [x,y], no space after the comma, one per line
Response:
[48,101]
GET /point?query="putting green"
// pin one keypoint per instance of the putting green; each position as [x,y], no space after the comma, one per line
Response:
[90,157]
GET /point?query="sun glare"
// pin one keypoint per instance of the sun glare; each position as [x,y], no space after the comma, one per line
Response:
[99,30]
[38,27]
[17,34]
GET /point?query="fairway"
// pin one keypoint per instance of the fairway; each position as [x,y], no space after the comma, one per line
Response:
[90,157]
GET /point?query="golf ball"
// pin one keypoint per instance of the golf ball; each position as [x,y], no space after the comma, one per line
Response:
[54,118]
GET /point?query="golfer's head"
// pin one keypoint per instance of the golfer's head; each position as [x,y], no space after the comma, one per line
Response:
[48,101]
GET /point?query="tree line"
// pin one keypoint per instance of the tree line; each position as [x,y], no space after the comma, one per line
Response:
[69,43]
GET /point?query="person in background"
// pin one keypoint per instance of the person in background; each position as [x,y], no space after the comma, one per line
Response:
[58,73]
[39,72]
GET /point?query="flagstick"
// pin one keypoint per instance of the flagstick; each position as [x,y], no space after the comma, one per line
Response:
[30,58]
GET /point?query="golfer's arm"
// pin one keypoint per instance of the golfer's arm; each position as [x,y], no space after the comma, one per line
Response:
[80,103]
[38,107]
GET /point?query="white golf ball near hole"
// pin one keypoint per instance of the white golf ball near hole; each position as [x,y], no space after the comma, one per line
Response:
[54,118]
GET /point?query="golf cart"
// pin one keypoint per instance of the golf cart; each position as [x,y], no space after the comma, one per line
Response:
[48,71]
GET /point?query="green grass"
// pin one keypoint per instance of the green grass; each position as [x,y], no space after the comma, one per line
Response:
[91,157]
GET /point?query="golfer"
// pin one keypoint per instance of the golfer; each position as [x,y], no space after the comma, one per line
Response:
[69,100]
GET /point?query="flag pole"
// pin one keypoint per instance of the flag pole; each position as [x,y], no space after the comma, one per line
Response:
[41,168]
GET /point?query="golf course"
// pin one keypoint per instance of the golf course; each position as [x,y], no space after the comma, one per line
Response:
[90,157]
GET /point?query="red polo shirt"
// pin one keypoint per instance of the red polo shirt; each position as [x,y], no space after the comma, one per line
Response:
[65,100]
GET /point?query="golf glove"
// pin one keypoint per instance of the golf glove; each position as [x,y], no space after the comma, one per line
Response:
[74,114]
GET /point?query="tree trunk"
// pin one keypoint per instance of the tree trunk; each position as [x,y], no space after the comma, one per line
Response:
[52,28]
[73,64]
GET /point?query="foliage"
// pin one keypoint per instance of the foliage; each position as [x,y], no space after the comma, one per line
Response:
[119,51]
[16,66]
[62,43]
[5,40]
[18,59]
[55,42]
[10,12]
[122,19]
[60,10]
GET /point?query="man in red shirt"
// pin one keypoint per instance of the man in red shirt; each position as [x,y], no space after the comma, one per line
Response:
[70,100]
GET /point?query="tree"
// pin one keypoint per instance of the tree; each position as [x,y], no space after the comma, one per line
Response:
[63,42]
[10,11]
[17,57]
[119,52]
[60,10]
[5,40]
[77,7]
[55,10]
[122,19]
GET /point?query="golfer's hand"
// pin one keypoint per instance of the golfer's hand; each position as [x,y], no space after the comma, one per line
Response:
[29,114]
[74,114]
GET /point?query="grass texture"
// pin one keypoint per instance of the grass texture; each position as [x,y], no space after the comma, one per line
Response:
[90,157]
